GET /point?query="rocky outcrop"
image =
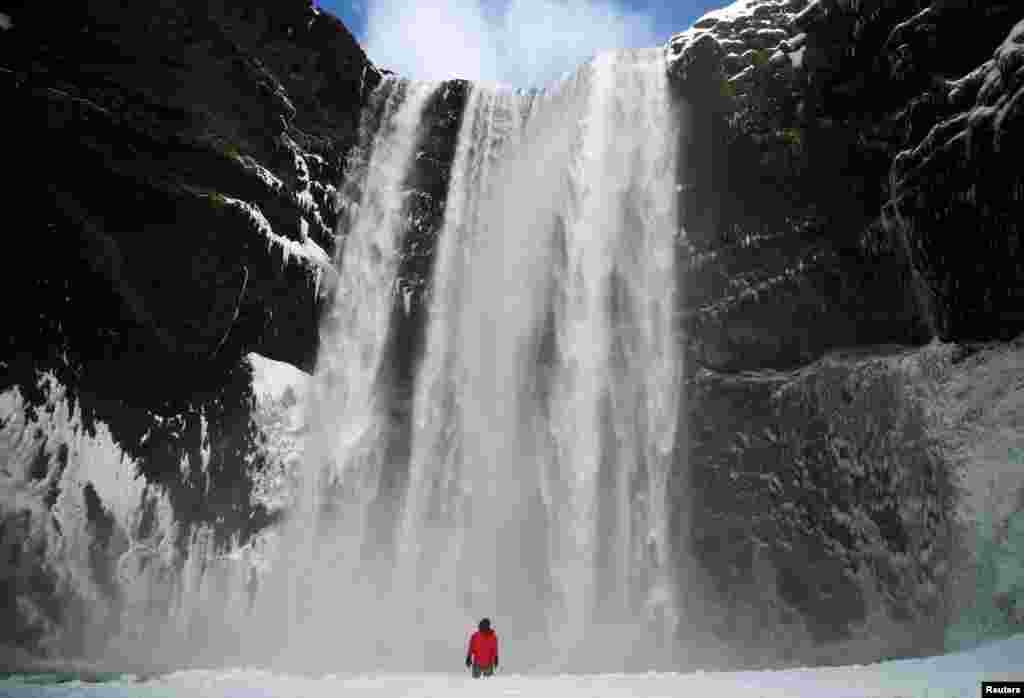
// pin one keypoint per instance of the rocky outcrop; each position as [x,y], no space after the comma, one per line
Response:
[781,205]
[837,152]
[156,133]
[803,113]
[865,506]
[961,178]
[176,185]
[825,516]
[174,171]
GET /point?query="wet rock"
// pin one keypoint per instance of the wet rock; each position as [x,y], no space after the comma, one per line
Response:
[810,481]
[946,183]
[221,103]
[852,175]
[868,87]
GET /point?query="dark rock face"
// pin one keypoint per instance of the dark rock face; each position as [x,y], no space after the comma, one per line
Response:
[785,256]
[178,167]
[175,198]
[911,72]
[820,116]
[825,511]
[959,178]
[161,119]
[844,182]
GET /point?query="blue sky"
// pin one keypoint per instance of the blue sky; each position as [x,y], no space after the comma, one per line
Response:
[520,43]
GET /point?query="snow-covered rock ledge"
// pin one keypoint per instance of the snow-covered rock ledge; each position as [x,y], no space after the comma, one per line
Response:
[737,36]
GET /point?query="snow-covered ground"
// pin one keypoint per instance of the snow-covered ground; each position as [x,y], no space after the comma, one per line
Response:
[935,677]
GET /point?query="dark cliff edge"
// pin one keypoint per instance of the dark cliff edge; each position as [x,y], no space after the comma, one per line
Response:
[847,197]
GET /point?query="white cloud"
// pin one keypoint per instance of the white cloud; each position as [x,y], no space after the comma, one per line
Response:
[526,42]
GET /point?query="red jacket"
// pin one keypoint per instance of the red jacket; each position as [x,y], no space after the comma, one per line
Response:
[483,648]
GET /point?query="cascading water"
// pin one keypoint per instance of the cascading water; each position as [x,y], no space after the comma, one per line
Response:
[619,379]
[442,555]
[321,582]
[548,397]
[545,403]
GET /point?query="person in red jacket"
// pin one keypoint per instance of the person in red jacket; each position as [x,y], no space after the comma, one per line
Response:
[482,655]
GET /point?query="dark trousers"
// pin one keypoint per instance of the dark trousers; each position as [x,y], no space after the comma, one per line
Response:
[479,671]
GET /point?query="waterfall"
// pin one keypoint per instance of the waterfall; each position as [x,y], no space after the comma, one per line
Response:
[547,403]
[617,380]
[527,480]
[321,587]
[545,400]
[439,547]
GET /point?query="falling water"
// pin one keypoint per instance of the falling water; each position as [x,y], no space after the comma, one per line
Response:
[547,402]
[348,424]
[546,398]
[443,557]
[618,384]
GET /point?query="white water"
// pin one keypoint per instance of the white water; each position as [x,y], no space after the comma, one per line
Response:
[316,589]
[436,531]
[545,405]
[548,398]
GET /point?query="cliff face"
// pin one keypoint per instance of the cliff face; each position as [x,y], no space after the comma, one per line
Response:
[781,203]
[825,522]
[177,167]
[959,177]
[206,138]
[845,184]
[172,209]
[855,142]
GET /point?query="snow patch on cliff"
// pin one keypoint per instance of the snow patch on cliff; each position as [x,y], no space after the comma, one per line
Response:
[743,25]
[272,378]
[281,391]
[306,250]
